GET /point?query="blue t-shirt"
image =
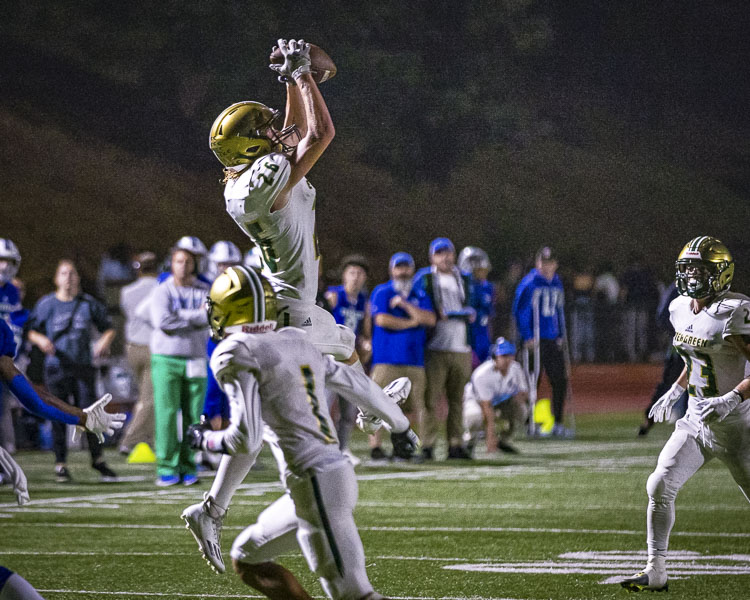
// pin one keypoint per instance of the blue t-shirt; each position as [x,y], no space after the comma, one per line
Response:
[72,344]
[7,342]
[347,313]
[550,295]
[481,296]
[397,347]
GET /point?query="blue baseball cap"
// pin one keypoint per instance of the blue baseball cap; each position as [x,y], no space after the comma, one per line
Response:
[503,347]
[401,258]
[440,244]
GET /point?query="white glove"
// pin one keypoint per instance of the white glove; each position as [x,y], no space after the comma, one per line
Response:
[296,60]
[15,476]
[368,423]
[99,421]
[716,409]
[662,408]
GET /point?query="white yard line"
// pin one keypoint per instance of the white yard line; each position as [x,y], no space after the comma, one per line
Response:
[402,529]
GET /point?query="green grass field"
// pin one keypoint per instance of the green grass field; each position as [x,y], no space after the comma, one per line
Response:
[559,521]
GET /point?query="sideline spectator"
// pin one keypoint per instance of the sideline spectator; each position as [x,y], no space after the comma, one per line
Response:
[448,357]
[178,365]
[137,338]
[582,336]
[504,323]
[542,288]
[223,254]
[60,326]
[497,385]
[401,313]
[607,315]
[350,307]
[641,297]
[475,261]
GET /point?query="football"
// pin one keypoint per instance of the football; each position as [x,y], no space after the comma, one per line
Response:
[322,66]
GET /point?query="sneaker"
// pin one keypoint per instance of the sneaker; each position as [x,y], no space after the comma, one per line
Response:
[559,431]
[107,474]
[378,458]
[167,480]
[190,479]
[398,390]
[458,452]
[124,450]
[351,458]
[647,580]
[62,475]
[506,447]
[427,454]
[206,529]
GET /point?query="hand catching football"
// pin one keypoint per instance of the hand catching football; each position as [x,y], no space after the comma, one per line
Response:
[322,67]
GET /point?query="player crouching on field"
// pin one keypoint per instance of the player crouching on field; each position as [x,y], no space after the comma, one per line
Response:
[497,385]
[712,329]
[277,379]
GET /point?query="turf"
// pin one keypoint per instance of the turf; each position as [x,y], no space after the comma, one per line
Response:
[561,520]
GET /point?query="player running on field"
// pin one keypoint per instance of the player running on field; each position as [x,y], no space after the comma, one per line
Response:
[269,197]
[276,379]
[712,334]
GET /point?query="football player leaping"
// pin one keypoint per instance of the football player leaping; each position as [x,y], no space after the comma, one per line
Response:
[269,197]
[276,379]
[712,329]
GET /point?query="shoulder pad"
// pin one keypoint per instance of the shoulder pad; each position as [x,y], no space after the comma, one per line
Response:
[232,355]
[267,177]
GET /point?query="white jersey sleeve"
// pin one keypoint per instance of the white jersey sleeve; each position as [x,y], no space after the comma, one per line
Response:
[519,377]
[483,380]
[233,368]
[268,176]
[360,390]
[738,322]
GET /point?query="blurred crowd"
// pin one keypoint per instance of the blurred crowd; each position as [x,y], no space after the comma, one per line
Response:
[440,325]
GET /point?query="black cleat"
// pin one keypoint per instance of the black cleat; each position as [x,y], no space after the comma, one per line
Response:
[640,583]
[458,452]
[107,474]
[506,447]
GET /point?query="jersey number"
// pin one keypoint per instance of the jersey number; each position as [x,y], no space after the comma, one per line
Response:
[707,373]
[308,380]
[268,177]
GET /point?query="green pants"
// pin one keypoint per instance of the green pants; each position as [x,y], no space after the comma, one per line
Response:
[174,392]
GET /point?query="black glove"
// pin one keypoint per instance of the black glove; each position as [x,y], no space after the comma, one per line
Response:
[405,444]
[195,434]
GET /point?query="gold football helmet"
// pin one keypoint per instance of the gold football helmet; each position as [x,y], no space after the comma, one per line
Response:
[241,297]
[704,268]
[244,132]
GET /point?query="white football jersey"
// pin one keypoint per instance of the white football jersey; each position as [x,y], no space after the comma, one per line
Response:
[490,384]
[714,365]
[286,237]
[286,391]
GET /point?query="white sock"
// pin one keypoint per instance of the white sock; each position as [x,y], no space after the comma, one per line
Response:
[230,474]
[659,522]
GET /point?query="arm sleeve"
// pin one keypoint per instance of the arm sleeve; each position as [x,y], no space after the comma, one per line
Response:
[245,432]
[360,390]
[378,302]
[21,389]
[739,321]
[99,315]
[482,388]
[522,311]
[196,317]
[161,314]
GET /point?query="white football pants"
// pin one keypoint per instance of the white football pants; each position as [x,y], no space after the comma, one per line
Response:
[682,456]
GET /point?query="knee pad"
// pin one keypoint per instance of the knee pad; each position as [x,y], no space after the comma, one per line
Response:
[657,487]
